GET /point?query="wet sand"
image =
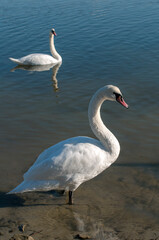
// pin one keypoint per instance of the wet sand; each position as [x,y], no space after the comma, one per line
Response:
[121,203]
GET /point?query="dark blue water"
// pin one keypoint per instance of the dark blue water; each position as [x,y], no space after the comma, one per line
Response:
[101,42]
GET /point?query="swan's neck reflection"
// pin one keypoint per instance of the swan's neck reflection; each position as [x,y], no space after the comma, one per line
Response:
[42,68]
[79,222]
[54,79]
[93,228]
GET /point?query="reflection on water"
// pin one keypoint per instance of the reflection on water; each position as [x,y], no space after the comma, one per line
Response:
[83,221]
[41,68]
[79,222]
[54,79]
[90,228]
[32,68]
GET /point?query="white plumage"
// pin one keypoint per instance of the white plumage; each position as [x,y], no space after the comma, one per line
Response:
[71,162]
[41,59]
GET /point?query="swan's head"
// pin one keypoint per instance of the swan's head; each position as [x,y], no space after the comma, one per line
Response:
[113,93]
[52,32]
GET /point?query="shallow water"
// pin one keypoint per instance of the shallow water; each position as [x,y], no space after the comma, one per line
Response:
[101,42]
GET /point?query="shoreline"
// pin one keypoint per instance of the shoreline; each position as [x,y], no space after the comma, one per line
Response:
[108,207]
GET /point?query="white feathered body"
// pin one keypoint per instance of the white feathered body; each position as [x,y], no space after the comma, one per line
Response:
[35,59]
[66,165]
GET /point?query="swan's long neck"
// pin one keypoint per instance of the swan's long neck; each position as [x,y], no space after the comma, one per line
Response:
[105,136]
[53,50]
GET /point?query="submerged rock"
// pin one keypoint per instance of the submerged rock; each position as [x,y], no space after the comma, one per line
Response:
[22,227]
[82,236]
[21,237]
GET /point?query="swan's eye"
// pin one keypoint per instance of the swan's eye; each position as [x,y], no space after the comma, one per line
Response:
[117,95]
[53,32]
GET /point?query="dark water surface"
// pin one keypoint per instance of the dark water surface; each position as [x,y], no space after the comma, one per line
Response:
[101,42]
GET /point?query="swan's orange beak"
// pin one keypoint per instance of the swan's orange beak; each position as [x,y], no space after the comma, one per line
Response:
[121,101]
[55,34]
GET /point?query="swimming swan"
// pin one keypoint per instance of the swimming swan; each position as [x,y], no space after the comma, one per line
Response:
[71,162]
[41,59]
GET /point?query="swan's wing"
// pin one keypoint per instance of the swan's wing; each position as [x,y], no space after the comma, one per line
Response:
[79,157]
[67,146]
[66,165]
[37,59]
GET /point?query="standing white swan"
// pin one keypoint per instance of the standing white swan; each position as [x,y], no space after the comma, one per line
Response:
[41,59]
[71,162]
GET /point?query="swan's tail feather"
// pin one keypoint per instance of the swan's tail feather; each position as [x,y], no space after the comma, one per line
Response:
[29,186]
[23,187]
[15,60]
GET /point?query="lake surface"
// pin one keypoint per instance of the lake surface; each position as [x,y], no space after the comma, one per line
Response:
[101,42]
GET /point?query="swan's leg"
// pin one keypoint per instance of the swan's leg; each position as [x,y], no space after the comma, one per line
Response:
[70,195]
